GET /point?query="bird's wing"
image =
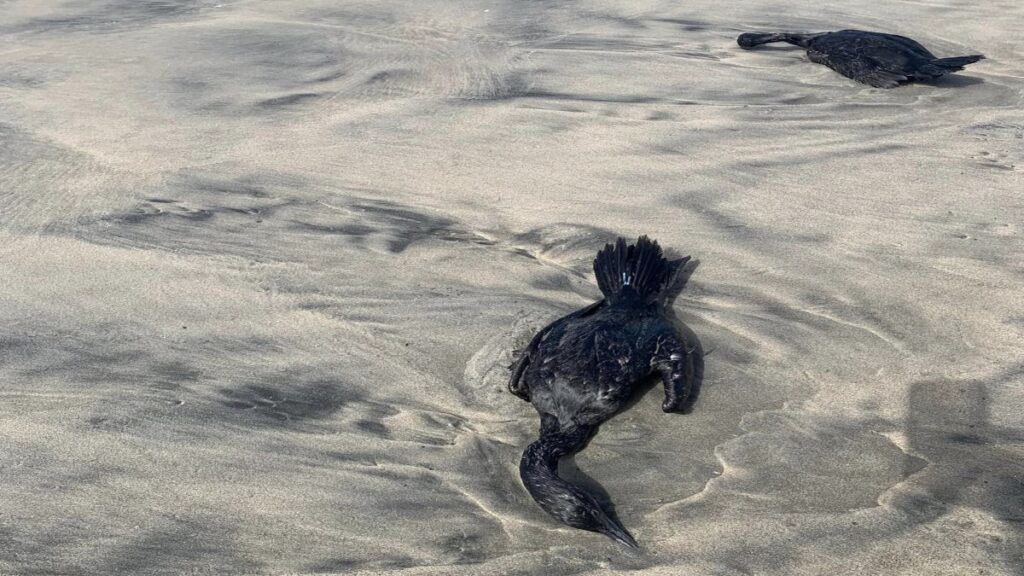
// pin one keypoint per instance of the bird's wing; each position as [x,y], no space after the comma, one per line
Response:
[858,67]
[519,366]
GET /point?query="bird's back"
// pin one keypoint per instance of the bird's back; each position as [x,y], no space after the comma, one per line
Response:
[890,50]
[586,368]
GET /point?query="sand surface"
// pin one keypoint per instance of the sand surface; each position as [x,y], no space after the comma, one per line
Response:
[263,266]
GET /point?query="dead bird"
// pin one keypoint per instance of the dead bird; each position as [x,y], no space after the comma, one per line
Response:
[583,368]
[873,58]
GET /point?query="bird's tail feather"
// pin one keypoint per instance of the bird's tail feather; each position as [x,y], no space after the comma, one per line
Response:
[639,268]
[956,62]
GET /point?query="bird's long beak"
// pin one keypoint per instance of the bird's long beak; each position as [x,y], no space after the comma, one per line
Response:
[616,532]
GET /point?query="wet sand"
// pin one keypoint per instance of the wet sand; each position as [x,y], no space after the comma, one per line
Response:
[263,266]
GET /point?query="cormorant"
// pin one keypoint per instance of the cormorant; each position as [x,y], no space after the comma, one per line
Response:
[873,58]
[583,368]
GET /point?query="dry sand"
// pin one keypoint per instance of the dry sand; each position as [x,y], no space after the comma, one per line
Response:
[263,264]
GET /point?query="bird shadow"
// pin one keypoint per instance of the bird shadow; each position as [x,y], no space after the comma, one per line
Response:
[952,81]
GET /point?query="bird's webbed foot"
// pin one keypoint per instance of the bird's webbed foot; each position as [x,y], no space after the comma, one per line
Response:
[676,368]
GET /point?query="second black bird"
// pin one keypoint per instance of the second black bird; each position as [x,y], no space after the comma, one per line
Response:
[873,58]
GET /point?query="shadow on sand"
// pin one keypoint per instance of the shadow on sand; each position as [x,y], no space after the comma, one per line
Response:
[948,423]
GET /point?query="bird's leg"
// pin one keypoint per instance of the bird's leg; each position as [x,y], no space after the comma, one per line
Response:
[549,424]
[676,367]
[516,383]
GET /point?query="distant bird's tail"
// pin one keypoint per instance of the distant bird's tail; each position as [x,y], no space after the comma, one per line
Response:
[638,269]
[956,62]
[942,66]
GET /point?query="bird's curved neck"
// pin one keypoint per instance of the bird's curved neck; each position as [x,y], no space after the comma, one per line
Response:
[539,465]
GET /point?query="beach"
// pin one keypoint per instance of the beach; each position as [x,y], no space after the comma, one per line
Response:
[264,267]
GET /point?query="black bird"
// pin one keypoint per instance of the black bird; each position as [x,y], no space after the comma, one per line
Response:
[873,58]
[582,369]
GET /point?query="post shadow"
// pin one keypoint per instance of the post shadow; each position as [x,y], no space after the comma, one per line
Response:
[949,423]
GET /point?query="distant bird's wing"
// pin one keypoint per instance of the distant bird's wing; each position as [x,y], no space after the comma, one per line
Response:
[858,67]
[910,45]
